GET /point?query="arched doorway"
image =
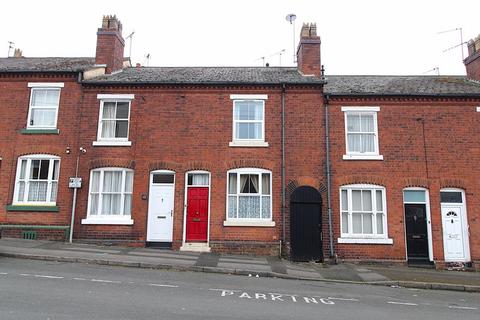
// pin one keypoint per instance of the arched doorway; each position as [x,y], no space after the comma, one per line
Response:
[306,224]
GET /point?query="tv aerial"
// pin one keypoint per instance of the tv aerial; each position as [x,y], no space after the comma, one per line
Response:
[291,17]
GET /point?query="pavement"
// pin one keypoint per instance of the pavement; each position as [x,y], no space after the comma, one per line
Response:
[252,266]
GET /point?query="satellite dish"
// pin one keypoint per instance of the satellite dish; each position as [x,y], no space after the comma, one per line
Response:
[291,17]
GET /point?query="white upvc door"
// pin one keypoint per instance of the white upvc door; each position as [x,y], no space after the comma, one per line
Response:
[160,213]
[455,233]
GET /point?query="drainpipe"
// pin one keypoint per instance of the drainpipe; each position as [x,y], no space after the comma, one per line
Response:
[329,177]
[283,164]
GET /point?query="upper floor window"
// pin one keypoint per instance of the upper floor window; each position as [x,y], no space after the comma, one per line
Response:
[44,101]
[114,120]
[249,195]
[110,196]
[248,120]
[36,180]
[363,214]
[361,133]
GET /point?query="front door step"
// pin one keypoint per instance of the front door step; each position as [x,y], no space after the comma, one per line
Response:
[195,247]
[159,245]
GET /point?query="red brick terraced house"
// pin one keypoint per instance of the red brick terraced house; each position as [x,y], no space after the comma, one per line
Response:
[257,160]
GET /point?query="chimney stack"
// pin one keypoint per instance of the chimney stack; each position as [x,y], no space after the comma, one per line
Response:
[472,62]
[308,51]
[110,44]
[18,53]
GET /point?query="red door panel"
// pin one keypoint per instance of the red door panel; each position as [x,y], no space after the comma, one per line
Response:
[197,214]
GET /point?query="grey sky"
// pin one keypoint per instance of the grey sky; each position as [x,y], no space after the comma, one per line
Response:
[358,37]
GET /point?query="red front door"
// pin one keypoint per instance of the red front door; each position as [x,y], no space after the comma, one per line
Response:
[197,214]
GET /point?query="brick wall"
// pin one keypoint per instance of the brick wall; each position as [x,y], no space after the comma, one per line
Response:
[14,103]
[452,149]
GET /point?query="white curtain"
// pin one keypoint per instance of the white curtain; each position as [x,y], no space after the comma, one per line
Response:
[379,223]
[112,182]
[249,207]
[200,179]
[21,190]
[243,183]
[254,180]
[232,206]
[367,200]
[357,222]
[43,116]
[266,211]
[367,223]
[265,183]
[37,191]
[232,183]
[367,123]
[108,120]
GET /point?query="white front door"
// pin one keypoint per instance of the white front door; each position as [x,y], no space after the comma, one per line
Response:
[160,209]
[453,233]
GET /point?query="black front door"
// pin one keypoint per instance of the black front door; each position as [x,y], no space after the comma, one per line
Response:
[416,229]
[306,225]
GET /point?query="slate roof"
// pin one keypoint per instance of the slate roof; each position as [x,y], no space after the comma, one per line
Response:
[336,84]
[402,85]
[208,75]
[50,64]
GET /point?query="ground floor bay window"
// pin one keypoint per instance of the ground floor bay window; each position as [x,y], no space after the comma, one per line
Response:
[249,200]
[110,196]
[363,214]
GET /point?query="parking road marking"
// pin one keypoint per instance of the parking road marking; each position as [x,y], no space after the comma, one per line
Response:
[105,281]
[403,303]
[162,285]
[465,308]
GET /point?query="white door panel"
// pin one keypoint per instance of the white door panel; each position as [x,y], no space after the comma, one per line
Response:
[453,235]
[160,213]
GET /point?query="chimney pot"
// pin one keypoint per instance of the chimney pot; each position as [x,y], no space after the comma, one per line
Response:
[18,53]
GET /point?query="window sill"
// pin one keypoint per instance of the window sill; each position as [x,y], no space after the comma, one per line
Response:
[366,240]
[108,221]
[33,208]
[248,144]
[40,131]
[230,223]
[112,143]
[362,157]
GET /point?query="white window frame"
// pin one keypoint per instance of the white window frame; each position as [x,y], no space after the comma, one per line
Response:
[29,159]
[113,141]
[236,142]
[374,238]
[54,86]
[246,222]
[362,155]
[109,219]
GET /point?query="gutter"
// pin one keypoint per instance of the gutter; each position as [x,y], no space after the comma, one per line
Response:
[283,165]
[329,176]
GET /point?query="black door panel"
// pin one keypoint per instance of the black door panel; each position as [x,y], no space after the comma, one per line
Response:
[306,225]
[416,232]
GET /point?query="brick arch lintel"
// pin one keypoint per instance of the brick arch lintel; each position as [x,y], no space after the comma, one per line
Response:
[164,165]
[416,182]
[197,165]
[453,183]
[40,149]
[111,162]
[304,181]
[362,179]
[250,163]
